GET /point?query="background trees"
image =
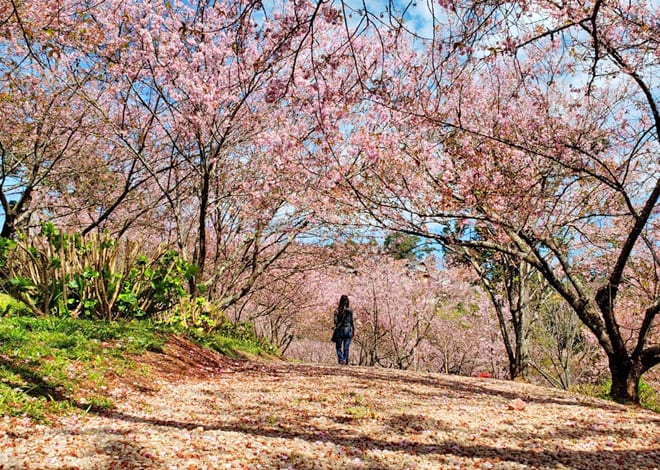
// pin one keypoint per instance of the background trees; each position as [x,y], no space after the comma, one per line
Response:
[408,315]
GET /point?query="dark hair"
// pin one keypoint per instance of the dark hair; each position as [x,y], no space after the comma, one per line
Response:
[341,309]
[343,305]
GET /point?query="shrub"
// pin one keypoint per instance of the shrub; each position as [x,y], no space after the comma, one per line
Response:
[191,313]
[228,337]
[93,276]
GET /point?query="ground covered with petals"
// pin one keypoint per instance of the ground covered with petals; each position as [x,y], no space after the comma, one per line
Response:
[195,410]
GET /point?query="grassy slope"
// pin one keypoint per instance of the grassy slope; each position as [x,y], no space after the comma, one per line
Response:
[59,365]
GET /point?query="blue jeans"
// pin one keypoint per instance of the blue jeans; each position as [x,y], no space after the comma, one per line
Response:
[342,350]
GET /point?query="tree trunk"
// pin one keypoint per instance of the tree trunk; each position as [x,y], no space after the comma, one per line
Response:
[8,228]
[517,369]
[199,255]
[519,364]
[625,380]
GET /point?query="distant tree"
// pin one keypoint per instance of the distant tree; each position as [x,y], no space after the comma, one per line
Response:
[403,246]
[512,286]
[561,351]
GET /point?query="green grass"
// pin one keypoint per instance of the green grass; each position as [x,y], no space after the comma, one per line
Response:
[234,347]
[235,341]
[49,364]
[9,305]
[649,398]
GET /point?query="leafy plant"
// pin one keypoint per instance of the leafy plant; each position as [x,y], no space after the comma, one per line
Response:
[232,339]
[191,313]
[92,276]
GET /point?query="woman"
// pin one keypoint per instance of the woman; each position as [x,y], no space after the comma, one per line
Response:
[343,332]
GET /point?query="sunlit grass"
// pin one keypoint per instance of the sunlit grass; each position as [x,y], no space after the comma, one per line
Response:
[46,361]
[51,365]
[8,304]
[231,347]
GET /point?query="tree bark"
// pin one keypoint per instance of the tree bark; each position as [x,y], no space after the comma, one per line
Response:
[625,379]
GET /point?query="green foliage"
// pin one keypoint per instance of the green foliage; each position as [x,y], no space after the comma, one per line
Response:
[154,286]
[192,314]
[9,305]
[45,360]
[402,246]
[233,339]
[6,247]
[91,277]
[243,331]
[649,397]
[208,325]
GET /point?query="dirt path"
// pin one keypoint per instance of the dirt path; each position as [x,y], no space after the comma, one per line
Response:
[281,416]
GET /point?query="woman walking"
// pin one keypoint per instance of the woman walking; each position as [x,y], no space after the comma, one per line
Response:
[343,332]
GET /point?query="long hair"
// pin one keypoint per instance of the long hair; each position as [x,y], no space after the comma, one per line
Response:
[343,305]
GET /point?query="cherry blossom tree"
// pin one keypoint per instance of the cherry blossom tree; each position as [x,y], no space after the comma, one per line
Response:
[183,115]
[284,303]
[45,127]
[233,89]
[509,284]
[536,124]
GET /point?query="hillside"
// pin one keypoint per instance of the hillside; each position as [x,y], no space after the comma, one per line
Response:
[194,409]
